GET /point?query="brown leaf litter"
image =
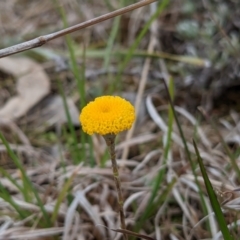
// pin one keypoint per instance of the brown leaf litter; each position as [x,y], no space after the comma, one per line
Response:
[32,85]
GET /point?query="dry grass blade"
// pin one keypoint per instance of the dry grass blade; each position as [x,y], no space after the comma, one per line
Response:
[86,208]
[137,140]
[163,126]
[132,198]
[92,212]
[142,85]
[69,218]
[132,234]
[24,233]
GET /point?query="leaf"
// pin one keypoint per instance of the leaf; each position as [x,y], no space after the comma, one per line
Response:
[32,85]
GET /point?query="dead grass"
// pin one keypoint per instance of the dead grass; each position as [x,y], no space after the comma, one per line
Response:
[90,208]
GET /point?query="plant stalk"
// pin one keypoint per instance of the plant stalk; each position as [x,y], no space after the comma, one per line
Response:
[110,141]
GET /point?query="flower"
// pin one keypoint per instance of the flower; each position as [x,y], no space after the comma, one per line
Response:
[107,115]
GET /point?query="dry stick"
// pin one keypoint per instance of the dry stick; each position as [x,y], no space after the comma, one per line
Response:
[161,61]
[110,141]
[39,41]
[141,88]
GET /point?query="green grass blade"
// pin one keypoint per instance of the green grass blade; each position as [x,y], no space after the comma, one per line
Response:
[4,194]
[79,75]
[152,208]
[192,164]
[143,32]
[213,199]
[170,121]
[76,156]
[228,151]
[109,5]
[61,196]
[99,53]
[25,189]
[111,39]
[11,179]
[146,27]
[26,181]
[160,177]
[73,59]
[160,200]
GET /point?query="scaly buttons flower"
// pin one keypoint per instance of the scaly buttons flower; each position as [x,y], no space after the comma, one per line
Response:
[107,115]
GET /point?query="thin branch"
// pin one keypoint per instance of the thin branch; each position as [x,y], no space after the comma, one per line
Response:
[39,41]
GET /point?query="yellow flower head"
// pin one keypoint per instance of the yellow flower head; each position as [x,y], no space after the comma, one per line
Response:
[107,115]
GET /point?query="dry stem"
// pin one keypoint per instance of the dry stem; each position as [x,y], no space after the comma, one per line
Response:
[110,141]
[142,84]
[39,41]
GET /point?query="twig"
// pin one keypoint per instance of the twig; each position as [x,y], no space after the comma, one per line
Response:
[39,41]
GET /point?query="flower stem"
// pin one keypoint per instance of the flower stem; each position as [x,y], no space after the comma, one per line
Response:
[110,141]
